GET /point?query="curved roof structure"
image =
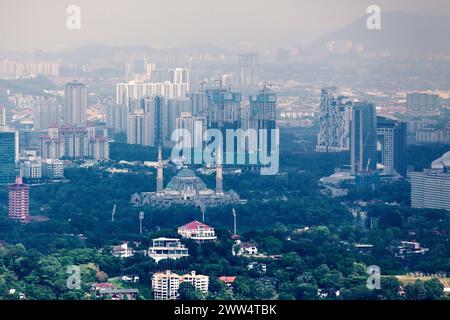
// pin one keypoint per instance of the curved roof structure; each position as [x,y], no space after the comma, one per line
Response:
[184,177]
[442,162]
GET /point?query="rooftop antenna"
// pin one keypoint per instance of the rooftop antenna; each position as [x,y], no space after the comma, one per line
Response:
[141,218]
[234,218]
[113,214]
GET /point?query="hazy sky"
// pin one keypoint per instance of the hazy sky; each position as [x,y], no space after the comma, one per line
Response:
[41,24]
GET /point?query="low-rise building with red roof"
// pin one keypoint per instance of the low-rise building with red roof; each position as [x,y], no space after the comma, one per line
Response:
[228,280]
[198,231]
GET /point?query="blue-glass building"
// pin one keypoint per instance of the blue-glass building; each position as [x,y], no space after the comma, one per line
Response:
[363,138]
[8,149]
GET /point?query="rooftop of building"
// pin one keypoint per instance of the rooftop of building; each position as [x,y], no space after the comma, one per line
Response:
[227,279]
[104,286]
[166,239]
[194,225]
[442,163]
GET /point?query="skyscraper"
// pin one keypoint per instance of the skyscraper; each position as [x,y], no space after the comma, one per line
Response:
[139,70]
[116,117]
[196,126]
[138,90]
[363,139]
[9,151]
[156,109]
[431,188]
[263,110]
[392,134]
[425,104]
[223,108]
[160,110]
[175,107]
[198,102]
[247,69]
[261,117]
[140,128]
[76,103]
[179,75]
[335,114]
[51,146]
[46,113]
[19,203]
[74,142]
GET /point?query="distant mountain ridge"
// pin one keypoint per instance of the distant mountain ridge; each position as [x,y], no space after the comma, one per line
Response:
[401,33]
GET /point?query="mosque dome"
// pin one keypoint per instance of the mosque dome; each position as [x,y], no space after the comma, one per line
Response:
[183,178]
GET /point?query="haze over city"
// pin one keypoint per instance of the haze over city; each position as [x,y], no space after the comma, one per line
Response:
[251,24]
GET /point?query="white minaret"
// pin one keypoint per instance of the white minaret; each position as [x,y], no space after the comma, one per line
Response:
[219,189]
[159,175]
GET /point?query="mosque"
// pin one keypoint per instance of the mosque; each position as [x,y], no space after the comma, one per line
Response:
[186,189]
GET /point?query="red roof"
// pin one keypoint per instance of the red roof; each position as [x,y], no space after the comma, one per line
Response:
[227,279]
[195,225]
[106,285]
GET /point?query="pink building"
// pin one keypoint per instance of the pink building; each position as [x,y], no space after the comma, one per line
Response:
[19,205]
